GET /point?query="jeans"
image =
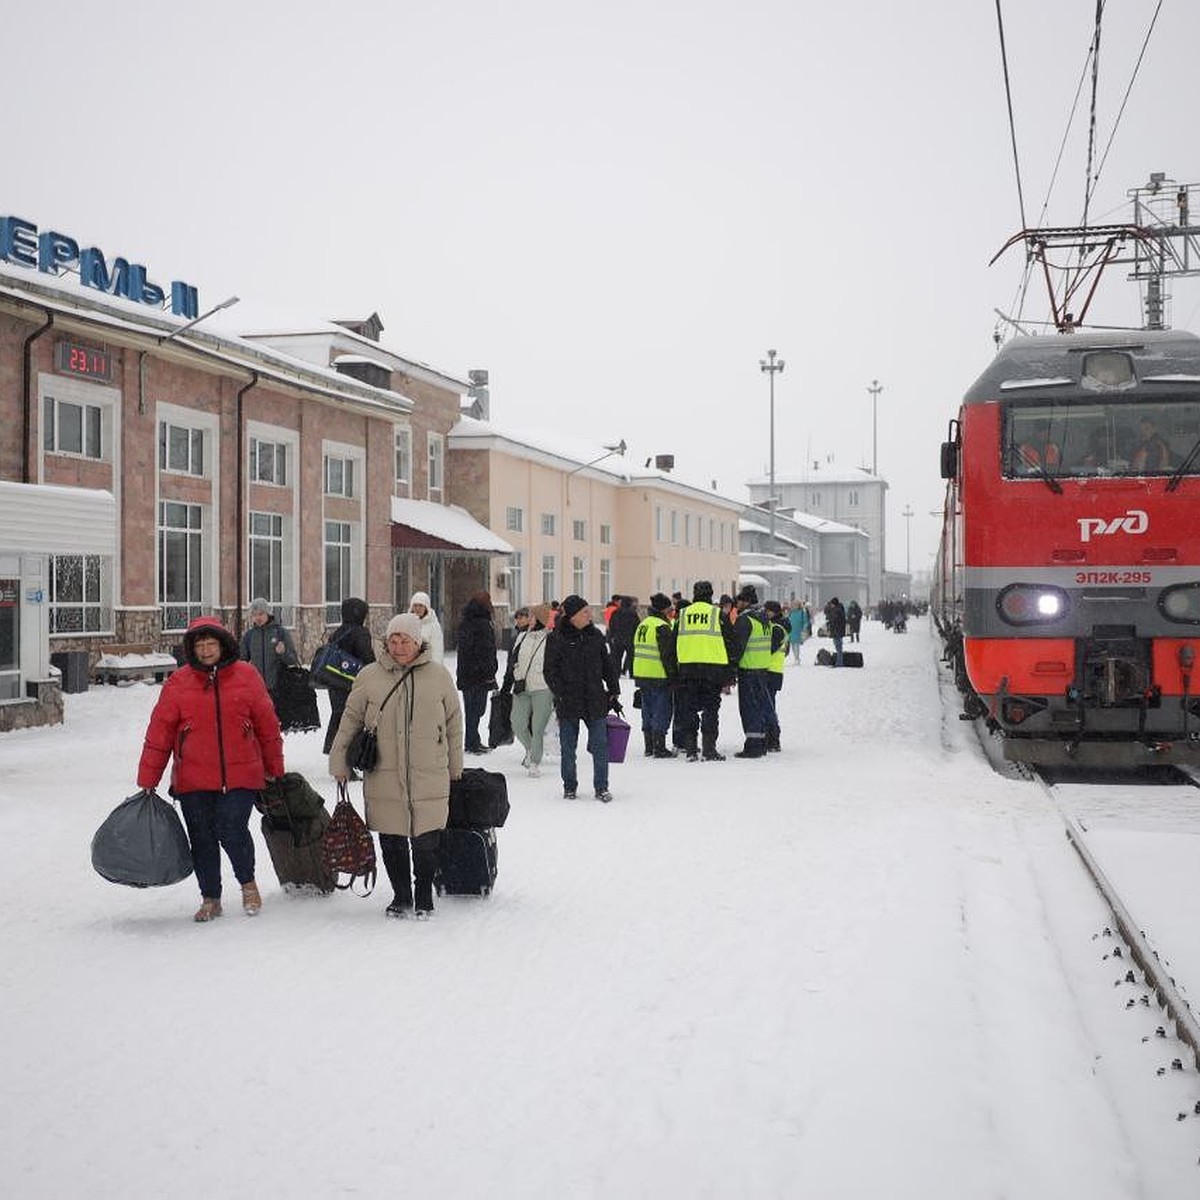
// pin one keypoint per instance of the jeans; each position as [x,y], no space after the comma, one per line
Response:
[219,821]
[597,744]
[837,651]
[474,705]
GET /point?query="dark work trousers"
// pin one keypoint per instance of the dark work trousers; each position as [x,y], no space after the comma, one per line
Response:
[656,707]
[219,821]
[774,687]
[401,866]
[337,706]
[697,705]
[754,703]
[474,704]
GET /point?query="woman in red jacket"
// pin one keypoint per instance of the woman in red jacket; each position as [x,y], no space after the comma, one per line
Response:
[216,718]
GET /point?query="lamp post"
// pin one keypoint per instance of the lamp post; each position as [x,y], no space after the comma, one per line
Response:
[202,317]
[772,367]
[908,515]
[875,388]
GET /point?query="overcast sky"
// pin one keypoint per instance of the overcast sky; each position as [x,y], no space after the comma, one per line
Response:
[617,209]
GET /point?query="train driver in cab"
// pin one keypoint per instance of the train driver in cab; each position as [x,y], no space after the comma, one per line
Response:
[1038,452]
[1151,452]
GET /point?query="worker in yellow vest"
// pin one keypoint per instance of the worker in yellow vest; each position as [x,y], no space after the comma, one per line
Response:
[780,632]
[654,670]
[752,642]
[702,650]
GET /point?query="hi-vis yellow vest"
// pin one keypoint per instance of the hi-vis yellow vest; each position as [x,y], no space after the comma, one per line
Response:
[698,637]
[757,655]
[647,662]
[778,657]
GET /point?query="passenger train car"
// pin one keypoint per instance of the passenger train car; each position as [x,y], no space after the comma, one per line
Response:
[1067,586]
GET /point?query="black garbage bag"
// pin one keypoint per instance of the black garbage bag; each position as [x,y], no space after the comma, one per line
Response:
[142,843]
[296,701]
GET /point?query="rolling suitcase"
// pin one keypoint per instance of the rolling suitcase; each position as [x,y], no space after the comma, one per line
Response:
[297,866]
[467,862]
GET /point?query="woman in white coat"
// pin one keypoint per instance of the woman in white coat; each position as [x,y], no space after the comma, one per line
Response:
[431,627]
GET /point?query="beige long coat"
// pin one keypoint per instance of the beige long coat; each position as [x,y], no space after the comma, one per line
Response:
[420,743]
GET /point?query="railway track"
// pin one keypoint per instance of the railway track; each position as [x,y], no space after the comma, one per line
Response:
[1162,801]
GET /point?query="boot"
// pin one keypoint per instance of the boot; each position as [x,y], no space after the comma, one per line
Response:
[772,740]
[711,753]
[755,747]
[251,900]
[208,911]
[661,750]
[425,861]
[693,754]
[394,851]
[649,737]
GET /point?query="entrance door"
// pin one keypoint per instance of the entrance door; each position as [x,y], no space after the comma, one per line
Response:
[10,640]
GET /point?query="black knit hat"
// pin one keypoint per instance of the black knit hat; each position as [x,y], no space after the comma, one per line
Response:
[571,605]
[659,602]
[748,594]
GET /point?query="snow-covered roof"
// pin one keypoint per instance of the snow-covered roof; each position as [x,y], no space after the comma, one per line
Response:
[824,473]
[558,449]
[754,580]
[448,522]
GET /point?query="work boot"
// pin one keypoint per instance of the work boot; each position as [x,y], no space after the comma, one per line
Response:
[693,755]
[772,740]
[661,750]
[711,753]
[649,737]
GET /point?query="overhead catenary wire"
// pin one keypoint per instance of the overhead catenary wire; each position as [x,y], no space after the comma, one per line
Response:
[1012,125]
[1087,180]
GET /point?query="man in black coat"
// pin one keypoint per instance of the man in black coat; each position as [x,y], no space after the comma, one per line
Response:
[353,637]
[835,626]
[622,625]
[477,666]
[583,679]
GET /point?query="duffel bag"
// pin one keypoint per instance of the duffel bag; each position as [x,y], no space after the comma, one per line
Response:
[479,800]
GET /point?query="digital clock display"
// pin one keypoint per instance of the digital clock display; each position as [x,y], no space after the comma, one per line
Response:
[87,361]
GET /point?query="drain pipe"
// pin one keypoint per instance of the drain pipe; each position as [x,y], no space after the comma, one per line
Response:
[27,383]
[239,556]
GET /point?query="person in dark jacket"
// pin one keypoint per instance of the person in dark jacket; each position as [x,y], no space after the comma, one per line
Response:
[477,666]
[267,646]
[215,719]
[854,616]
[352,636]
[584,682]
[835,626]
[780,632]
[622,625]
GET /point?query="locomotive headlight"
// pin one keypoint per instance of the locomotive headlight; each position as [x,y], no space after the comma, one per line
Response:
[1031,604]
[1181,603]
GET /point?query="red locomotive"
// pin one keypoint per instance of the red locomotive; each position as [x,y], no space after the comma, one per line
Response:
[1067,586]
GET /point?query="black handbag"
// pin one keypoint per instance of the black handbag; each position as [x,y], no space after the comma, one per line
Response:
[362,753]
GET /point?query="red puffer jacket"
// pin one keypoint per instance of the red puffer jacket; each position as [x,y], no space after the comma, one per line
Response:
[219,723]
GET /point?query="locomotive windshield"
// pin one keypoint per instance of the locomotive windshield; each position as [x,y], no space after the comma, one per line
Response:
[1120,437]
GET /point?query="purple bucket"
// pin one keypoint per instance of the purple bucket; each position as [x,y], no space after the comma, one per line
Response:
[618,737]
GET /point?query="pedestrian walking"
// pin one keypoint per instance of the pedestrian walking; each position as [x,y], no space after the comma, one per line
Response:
[525,678]
[411,703]
[584,681]
[477,666]
[431,627]
[353,637]
[267,646]
[799,621]
[215,722]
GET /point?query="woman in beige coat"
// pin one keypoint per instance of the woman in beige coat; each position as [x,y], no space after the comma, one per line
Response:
[412,704]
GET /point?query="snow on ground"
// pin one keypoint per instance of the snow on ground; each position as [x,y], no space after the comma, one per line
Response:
[865,967]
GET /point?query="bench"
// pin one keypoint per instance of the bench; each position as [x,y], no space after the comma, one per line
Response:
[132,660]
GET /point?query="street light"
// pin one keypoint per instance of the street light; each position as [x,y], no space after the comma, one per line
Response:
[908,515]
[875,388]
[771,367]
[202,317]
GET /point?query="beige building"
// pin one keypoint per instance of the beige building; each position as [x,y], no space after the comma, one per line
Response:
[581,518]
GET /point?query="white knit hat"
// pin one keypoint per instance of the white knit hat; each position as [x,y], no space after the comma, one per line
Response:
[408,624]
